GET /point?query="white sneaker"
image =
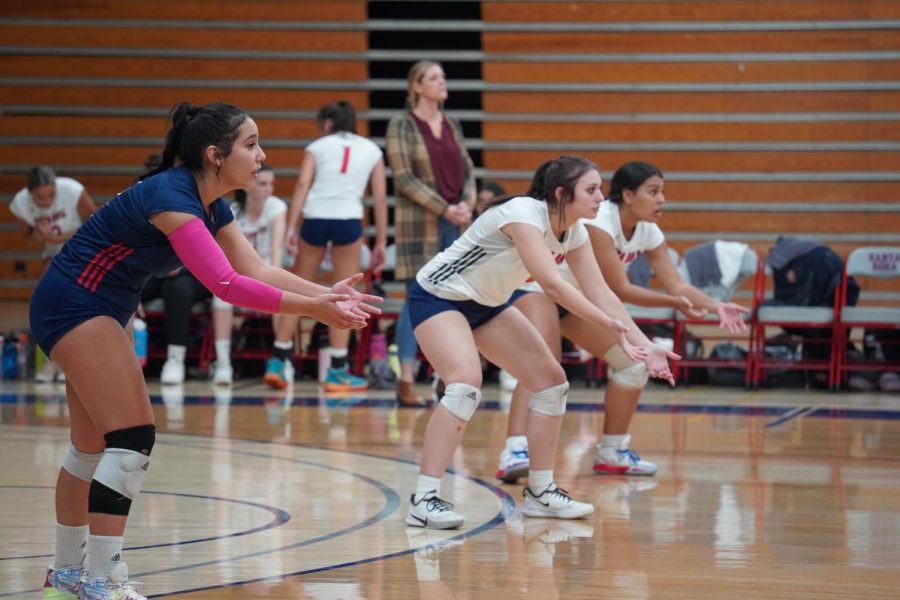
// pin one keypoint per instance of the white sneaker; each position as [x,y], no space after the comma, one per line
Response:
[432,512]
[554,532]
[223,375]
[507,381]
[47,374]
[116,587]
[172,372]
[514,460]
[554,502]
[620,460]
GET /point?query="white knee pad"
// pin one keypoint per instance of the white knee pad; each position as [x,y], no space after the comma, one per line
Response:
[624,371]
[123,471]
[461,399]
[550,402]
[81,464]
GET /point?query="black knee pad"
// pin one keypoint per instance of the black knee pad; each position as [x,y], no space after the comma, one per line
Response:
[139,439]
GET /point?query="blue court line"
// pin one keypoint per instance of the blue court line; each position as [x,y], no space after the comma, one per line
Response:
[362,402]
[281,517]
[793,414]
[507,507]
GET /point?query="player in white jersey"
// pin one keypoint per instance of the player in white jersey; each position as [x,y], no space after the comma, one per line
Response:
[624,227]
[51,209]
[261,217]
[459,307]
[337,168]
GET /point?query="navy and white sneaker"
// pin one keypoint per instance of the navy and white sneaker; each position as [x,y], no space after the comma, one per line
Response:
[432,513]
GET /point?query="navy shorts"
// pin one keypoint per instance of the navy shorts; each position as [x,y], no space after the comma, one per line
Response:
[340,232]
[59,305]
[423,305]
[519,293]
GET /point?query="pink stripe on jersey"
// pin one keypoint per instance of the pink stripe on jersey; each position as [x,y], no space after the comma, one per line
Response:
[109,265]
[100,261]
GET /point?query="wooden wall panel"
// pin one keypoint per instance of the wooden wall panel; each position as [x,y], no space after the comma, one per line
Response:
[175,38]
[188,69]
[692,132]
[225,10]
[690,102]
[696,10]
[695,41]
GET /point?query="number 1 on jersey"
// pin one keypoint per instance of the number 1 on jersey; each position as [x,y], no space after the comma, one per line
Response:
[346,160]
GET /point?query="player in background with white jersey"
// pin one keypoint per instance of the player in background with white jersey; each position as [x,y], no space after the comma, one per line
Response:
[624,227]
[261,217]
[337,168]
[459,308]
[51,209]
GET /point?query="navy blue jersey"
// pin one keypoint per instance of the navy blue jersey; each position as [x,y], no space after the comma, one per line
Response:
[118,249]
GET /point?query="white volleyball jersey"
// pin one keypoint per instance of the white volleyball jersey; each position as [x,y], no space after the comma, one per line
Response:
[344,163]
[483,265]
[647,236]
[62,214]
[259,232]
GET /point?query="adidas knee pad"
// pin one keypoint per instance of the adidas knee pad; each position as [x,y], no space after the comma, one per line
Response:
[550,402]
[461,399]
[624,371]
[121,472]
[81,464]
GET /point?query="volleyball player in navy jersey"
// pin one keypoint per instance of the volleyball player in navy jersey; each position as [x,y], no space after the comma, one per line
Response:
[81,306]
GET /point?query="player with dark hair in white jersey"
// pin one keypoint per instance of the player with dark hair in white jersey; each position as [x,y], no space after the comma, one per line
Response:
[459,308]
[624,227]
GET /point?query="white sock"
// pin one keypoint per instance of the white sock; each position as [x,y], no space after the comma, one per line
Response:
[337,352]
[104,555]
[223,353]
[175,352]
[70,545]
[518,441]
[539,481]
[284,345]
[612,441]
[427,484]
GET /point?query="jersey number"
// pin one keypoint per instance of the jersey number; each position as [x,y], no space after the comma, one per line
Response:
[346,160]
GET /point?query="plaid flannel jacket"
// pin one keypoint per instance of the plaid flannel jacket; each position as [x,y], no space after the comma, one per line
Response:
[418,205]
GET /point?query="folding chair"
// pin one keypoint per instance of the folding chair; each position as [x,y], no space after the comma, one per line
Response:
[881,262]
[749,265]
[791,317]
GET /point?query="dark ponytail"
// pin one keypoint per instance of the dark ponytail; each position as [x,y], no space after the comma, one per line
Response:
[341,114]
[630,176]
[194,128]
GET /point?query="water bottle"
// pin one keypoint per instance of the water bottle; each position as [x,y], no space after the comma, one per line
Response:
[1,356]
[140,340]
[10,366]
[393,359]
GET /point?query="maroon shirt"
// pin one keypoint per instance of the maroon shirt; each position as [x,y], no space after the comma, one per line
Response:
[446,161]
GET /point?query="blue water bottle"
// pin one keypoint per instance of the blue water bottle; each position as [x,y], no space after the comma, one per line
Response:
[140,340]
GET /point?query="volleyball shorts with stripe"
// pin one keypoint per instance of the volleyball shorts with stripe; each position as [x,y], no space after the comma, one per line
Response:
[59,305]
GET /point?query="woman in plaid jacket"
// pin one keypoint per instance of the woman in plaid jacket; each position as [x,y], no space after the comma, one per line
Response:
[434,187]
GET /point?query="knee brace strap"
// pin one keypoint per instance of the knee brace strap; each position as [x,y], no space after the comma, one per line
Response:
[81,464]
[461,399]
[140,438]
[624,371]
[550,402]
[121,472]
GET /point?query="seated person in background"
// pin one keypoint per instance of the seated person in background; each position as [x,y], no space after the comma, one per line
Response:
[261,217]
[179,291]
[51,209]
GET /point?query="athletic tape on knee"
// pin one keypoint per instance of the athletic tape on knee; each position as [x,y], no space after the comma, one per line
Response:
[127,458]
[461,399]
[81,464]
[624,371]
[550,402]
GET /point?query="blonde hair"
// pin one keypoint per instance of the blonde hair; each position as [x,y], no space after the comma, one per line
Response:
[416,73]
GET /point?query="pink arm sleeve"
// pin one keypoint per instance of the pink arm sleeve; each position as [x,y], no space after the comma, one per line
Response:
[204,258]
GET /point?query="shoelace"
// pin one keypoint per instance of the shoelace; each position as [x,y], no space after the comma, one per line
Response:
[631,455]
[435,504]
[553,490]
